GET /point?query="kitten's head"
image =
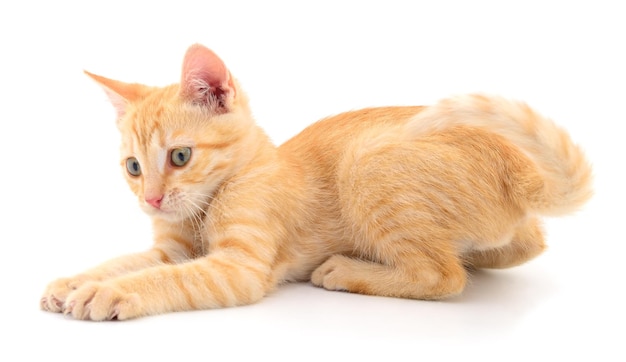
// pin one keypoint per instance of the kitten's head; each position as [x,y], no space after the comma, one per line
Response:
[180,142]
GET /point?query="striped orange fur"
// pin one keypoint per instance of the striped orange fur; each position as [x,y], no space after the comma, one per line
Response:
[392,201]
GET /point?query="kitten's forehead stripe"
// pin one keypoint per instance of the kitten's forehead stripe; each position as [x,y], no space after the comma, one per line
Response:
[137,132]
[151,128]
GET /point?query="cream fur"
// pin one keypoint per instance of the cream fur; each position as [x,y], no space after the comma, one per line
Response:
[393,201]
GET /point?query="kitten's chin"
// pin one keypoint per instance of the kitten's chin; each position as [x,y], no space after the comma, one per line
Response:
[165,215]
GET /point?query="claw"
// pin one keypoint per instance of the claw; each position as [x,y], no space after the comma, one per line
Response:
[57,302]
[113,314]
[67,308]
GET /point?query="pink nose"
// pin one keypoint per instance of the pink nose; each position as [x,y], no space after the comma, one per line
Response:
[155,201]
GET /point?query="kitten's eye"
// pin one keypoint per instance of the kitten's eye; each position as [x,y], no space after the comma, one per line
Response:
[180,156]
[132,165]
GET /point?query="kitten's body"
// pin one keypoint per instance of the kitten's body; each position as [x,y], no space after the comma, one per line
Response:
[396,201]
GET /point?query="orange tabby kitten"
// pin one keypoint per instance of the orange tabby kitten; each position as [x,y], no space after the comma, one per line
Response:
[394,201]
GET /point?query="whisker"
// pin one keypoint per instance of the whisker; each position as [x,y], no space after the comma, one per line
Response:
[195,207]
[197,214]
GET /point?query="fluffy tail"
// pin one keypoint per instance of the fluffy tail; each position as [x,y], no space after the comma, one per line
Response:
[566,173]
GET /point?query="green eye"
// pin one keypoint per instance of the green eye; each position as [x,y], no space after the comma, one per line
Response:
[180,156]
[132,165]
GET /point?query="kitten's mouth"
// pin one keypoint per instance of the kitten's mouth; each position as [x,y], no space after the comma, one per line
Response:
[151,210]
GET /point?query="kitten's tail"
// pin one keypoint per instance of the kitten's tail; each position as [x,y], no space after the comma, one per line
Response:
[564,169]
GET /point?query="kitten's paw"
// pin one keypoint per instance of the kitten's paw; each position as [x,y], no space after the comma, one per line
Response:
[98,301]
[329,275]
[56,293]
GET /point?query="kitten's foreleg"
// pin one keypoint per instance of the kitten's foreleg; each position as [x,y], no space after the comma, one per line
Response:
[221,279]
[164,251]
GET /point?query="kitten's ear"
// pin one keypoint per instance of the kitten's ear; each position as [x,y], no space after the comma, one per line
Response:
[206,80]
[120,94]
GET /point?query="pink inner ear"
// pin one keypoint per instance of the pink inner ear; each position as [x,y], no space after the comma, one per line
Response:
[119,93]
[118,102]
[205,78]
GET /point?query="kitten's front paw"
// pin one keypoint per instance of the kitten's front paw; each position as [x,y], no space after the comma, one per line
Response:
[56,293]
[98,301]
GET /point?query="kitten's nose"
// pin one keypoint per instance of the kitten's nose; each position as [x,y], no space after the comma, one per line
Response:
[155,201]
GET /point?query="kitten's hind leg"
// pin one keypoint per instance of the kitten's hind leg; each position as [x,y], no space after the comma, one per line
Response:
[527,243]
[397,225]
[413,275]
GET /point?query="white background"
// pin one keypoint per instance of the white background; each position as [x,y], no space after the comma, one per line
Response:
[66,207]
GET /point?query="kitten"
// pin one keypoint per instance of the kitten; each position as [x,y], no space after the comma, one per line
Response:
[393,201]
